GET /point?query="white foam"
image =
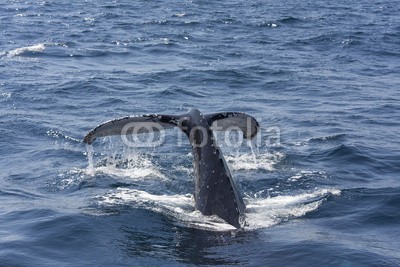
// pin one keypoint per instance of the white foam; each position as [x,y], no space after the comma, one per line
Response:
[132,173]
[71,178]
[180,168]
[305,173]
[90,152]
[58,134]
[250,161]
[5,95]
[261,212]
[270,211]
[125,195]
[179,207]
[22,50]
[295,177]
[180,15]
[132,166]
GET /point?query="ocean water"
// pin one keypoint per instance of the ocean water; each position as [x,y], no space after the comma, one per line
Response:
[321,182]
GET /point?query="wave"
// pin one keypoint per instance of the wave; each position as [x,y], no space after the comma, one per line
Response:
[58,135]
[18,193]
[289,20]
[268,24]
[26,51]
[306,174]
[261,212]
[134,167]
[346,153]
[129,168]
[180,208]
[6,95]
[270,211]
[335,137]
[63,50]
[175,91]
[286,20]
[250,161]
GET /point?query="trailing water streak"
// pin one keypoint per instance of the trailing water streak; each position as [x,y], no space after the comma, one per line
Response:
[90,168]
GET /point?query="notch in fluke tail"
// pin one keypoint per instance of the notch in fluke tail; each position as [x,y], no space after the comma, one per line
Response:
[154,122]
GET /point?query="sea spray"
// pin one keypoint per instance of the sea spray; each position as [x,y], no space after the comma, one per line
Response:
[90,168]
[262,211]
[250,144]
[22,50]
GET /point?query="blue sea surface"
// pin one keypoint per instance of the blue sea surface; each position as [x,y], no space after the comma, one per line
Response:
[321,182]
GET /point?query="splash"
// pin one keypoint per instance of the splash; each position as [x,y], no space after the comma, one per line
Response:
[129,165]
[307,173]
[90,168]
[270,211]
[23,50]
[254,161]
[179,208]
[132,166]
[252,148]
[261,212]
[61,135]
[71,178]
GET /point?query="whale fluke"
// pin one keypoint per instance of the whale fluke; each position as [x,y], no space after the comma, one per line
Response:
[215,190]
[143,123]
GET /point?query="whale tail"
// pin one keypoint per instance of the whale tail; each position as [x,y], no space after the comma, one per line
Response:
[139,124]
[215,190]
[155,122]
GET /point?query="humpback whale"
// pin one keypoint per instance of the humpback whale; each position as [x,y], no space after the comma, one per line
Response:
[215,190]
